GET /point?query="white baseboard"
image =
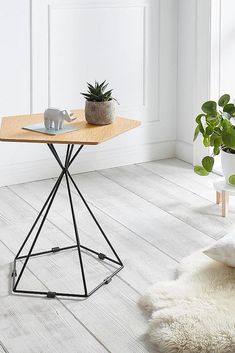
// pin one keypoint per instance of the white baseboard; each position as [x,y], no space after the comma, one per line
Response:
[184,151]
[88,161]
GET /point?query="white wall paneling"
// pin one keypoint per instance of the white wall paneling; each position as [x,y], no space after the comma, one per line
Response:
[193,73]
[83,41]
[222,48]
[205,65]
[62,44]
[222,52]
[215,58]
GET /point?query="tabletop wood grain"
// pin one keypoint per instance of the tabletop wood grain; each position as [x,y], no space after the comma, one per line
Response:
[11,130]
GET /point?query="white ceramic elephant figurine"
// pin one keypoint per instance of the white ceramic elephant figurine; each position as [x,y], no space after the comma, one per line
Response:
[54,118]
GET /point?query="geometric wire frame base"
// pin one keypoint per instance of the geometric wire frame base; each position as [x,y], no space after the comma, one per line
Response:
[69,159]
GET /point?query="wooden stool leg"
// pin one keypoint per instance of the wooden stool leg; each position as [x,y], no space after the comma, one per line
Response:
[218,197]
[225,199]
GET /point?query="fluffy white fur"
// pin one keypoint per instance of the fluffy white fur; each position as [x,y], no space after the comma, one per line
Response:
[196,312]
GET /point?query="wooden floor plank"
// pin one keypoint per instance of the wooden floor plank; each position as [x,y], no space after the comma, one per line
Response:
[139,274]
[149,221]
[3,349]
[169,234]
[182,174]
[38,325]
[164,231]
[189,207]
[99,314]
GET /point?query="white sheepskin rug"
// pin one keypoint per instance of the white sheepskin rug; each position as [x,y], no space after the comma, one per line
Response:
[196,312]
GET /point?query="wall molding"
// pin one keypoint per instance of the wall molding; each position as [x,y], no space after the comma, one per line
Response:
[184,151]
[88,161]
[40,57]
[65,6]
[202,72]
[215,52]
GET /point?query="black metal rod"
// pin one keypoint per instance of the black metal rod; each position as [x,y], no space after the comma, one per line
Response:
[66,157]
[55,154]
[97,253]
[39,229]
[40,213]
[68,248]
[69,156]
[75,155]
[45,293]
[105,281]
[94,218]
[48,252]
[76,233]
[46,207]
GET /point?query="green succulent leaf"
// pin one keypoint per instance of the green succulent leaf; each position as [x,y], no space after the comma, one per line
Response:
[209,107]
[232,179]
[200,170]
[208,163]
[97,92]
[224,100]
[229,108]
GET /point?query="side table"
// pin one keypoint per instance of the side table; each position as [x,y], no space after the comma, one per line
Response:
[11,131]
[223,190]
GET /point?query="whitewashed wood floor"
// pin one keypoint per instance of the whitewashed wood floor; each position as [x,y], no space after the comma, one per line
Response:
[154,213]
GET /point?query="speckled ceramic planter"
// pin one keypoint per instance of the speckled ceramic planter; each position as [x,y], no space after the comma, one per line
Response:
[100,113]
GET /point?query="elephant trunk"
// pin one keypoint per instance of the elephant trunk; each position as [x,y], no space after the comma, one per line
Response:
[68,116]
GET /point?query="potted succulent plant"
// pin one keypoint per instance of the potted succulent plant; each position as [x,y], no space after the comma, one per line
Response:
[100,105]
[217,126]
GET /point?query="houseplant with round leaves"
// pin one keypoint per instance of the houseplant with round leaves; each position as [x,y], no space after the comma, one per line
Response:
[216,124]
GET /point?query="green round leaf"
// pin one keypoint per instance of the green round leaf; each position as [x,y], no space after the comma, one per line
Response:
[229,108]
[201,128]
[209,130]
[212,139]
[218,141]
[228,137]
[225,124]
[232,179]
[208,163]
[216,151]
[209,107]
[200,170]
[198,118]
[206,141]
[196,132]
[224,100]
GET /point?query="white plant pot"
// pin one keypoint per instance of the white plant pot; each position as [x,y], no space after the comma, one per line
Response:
[100,113]
[228,165]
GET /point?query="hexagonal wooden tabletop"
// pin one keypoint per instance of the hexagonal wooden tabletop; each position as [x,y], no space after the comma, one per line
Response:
[11,130]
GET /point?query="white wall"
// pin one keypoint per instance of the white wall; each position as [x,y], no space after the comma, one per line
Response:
[206,70]
[193,82]
[223,47]
[55,46]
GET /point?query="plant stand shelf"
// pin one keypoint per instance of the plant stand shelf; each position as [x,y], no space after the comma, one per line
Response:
[223,191]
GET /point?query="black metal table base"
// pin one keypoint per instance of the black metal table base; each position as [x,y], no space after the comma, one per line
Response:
[40,220]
